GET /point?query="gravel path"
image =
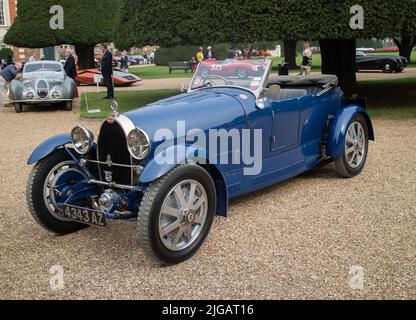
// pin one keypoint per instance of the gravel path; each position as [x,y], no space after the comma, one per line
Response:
[299,239]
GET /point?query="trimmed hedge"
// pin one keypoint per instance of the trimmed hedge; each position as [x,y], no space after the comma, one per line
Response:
[184,53]
[5,53]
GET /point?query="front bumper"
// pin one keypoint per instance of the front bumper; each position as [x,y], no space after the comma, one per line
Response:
[38,101]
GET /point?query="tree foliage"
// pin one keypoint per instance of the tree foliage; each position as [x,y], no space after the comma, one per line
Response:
[173,22]
[85,22]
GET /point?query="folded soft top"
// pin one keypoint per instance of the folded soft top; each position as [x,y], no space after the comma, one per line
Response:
[302,81]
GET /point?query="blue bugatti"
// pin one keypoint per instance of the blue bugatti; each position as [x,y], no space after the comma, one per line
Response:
[175,164]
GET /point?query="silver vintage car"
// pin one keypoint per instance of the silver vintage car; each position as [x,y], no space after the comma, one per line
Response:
[42,83]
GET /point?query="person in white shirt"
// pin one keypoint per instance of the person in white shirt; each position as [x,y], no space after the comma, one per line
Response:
[306,67]
[32,57]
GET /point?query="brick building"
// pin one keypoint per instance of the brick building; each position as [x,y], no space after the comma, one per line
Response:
[8,10]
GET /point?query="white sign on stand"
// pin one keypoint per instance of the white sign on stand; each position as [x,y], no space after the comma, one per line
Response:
[97,80]
[88,109]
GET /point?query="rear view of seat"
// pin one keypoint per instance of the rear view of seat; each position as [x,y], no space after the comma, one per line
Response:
[292,93]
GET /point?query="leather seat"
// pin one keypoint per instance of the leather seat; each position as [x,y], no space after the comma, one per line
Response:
[275,92]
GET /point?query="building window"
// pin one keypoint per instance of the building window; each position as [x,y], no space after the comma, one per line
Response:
[2,19]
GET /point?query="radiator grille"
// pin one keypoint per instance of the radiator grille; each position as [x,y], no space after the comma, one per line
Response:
[112,143]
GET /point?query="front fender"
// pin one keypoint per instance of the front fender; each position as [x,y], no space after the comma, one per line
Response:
[340,125]
[165,161]
[49,146]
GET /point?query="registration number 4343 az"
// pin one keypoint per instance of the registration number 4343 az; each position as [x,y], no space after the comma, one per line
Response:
[83,215]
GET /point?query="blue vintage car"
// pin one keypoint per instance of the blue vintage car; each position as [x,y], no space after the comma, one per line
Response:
[175,164]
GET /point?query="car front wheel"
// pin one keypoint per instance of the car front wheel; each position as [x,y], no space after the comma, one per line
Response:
[18,107]
[355,149]
[387,67]
[42,196]
[176,214]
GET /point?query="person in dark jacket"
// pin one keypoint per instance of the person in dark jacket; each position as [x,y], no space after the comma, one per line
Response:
[106,68]
[6,76]
[124,61]
[70,66]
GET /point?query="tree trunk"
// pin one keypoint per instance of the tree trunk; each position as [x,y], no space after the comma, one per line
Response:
[85,53]
[405,45]
[338,58]
[290,53]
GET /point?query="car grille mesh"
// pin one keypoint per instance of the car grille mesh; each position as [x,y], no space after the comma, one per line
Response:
[42,89]
[112,142]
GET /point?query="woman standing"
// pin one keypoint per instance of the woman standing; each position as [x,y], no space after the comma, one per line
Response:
[306,67]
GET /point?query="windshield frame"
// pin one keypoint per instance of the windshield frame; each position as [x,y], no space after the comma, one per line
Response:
[256,93]
[42,63]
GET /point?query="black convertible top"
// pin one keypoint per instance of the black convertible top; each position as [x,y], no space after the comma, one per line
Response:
[302,81]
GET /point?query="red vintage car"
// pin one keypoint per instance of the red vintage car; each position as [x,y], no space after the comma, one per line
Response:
[241,69]
[121,78]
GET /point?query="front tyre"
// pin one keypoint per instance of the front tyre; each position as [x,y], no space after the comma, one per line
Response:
[68,106]
[355,149]
[18,107]
[176,214]
[40,194]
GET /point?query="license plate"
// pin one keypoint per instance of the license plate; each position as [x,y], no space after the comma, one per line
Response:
[83,215]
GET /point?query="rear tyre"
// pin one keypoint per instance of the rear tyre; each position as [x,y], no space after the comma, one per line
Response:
[18,107]
[176,214]
[68,106]
[355,149]
[39,191]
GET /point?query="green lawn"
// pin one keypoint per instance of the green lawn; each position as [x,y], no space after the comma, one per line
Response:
[158,72]
[127,100]
[390,98]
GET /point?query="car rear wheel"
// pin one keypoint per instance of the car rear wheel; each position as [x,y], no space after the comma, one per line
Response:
[18,107]
[176,214]
[355,149]
[242,73]
[41,197]
[68,106]
[387,67]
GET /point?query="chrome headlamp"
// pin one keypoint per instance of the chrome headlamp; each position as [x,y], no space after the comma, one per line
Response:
[139,144]
[82,140]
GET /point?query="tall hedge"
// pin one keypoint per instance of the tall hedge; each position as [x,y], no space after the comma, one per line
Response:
[86,23]
[184,53]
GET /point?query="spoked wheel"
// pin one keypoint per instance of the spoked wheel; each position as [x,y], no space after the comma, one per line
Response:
[183,215]
[176,214]
[43,188]
[355,149]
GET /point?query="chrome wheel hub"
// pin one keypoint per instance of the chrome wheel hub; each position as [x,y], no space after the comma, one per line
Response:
[183,215]
[355,145]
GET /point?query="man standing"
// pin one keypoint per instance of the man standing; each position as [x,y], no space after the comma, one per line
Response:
[106,67]
[6,76]
[70,67]
[209,55]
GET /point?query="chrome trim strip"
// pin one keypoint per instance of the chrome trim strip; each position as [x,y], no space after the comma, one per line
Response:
[111,185]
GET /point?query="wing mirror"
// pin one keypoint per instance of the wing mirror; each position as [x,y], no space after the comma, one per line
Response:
[261,103]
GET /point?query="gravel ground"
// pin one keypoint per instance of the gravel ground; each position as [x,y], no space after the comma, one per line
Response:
[299,239]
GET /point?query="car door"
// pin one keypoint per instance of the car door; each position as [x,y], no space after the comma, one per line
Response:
[285,124]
